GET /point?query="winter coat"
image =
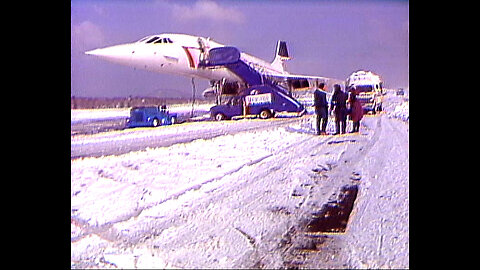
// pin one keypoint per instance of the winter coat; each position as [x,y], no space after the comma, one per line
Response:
[339,104]
[320,102]
[356,111]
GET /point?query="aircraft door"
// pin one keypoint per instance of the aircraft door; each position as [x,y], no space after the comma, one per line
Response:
[204,47]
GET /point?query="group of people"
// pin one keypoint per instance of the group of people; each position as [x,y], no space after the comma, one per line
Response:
[338,105]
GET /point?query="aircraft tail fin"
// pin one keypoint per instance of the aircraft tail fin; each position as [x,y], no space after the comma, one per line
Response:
[281,55]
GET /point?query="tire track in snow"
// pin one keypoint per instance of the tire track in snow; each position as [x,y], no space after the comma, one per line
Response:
[250,163]
[106,230]
[150,229]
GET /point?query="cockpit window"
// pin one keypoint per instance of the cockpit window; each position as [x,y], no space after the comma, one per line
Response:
[163,40]
[152,40]
[143,39]
[155,40]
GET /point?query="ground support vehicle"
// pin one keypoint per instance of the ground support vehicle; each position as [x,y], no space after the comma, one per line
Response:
[150,116]
[262,101]
[368,88]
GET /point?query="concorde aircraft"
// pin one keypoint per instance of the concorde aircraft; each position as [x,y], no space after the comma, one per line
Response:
[180,54]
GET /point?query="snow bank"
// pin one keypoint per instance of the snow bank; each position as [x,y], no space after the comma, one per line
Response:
[401,112]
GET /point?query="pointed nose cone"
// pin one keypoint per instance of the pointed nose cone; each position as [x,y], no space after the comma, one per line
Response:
[94,52]
[119,54]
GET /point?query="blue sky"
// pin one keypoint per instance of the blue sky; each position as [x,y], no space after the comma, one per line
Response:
[325,38]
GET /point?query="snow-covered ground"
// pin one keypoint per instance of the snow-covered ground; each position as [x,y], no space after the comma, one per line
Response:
[81,115]
[227,202]
[401,111]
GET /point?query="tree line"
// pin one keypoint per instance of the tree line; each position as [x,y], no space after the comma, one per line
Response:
[122,102]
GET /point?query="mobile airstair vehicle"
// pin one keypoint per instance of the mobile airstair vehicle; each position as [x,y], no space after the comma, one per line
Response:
[260,96]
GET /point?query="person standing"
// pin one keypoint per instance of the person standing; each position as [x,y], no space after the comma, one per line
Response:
[339,106]
[321,108]
[356,112]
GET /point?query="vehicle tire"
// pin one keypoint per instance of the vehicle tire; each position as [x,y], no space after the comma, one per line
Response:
[220,117]
[264,114]
[155,122]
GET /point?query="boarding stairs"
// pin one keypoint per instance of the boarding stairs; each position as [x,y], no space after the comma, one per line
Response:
[229,57]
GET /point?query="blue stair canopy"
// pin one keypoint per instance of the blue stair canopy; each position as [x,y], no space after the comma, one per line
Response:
[221,56]
[229,57]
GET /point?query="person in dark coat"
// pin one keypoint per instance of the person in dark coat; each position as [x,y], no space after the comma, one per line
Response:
[339,106]
[321,108]
[356,113]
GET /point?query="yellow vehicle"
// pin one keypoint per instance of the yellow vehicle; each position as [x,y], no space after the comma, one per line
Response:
[369,89]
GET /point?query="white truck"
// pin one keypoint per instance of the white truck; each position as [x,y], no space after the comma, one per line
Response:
[369,89]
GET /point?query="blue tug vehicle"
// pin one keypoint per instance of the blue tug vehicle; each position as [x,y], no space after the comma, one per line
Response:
[150,116]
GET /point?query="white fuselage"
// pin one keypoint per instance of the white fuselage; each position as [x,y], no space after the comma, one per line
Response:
[175,54]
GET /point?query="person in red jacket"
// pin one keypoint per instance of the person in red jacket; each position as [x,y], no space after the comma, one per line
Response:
[356,113]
